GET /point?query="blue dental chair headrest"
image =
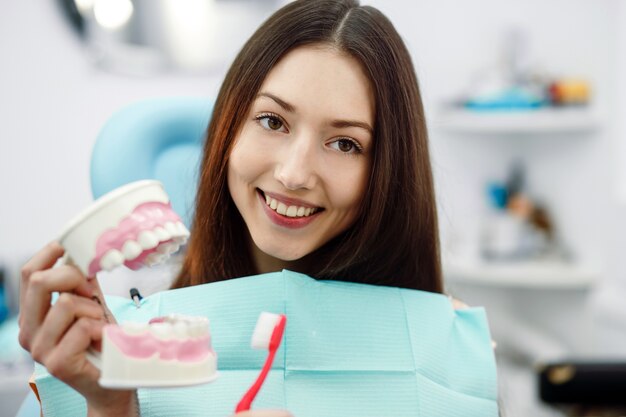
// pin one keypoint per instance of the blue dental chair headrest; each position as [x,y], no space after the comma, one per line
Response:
[158,139]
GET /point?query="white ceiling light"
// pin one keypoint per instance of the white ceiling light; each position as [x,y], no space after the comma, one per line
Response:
[84,6]
[112,14]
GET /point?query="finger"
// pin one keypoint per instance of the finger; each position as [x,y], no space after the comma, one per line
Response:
[98,296]
[264,413]
[44,259]
[62,315]
[39,294]
[458,304]
[68,361]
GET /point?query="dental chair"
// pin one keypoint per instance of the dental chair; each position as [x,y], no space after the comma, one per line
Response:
[155,139]
[158,139]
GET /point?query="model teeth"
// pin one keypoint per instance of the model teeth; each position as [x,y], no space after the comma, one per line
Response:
[163,331]
[170,327]
[131,250]
[112,259]
[181,330]
[182,230]
[165,240]
[131,327]
[171,228]
[289,211]
[154,259]
[167,248]
[148,240]
[162,234]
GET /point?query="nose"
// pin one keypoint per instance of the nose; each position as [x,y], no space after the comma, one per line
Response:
[296,164]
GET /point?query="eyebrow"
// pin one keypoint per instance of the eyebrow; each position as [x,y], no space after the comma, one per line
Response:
[334,123]
[282,103]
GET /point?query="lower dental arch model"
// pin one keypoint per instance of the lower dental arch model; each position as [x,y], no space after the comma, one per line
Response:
[169,351]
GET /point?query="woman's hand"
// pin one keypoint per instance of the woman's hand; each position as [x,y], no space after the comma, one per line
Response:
[58,336]
[458,304]
[264,413]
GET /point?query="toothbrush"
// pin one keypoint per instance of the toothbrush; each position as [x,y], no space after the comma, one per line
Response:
[268,333]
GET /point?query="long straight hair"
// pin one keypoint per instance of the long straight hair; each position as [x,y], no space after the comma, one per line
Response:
[394,239]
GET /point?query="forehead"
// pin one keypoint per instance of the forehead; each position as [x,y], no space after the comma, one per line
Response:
[321,79]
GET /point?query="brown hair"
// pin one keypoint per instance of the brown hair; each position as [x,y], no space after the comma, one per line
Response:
[394,240]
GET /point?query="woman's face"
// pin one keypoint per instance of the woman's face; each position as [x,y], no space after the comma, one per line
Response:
[299,166]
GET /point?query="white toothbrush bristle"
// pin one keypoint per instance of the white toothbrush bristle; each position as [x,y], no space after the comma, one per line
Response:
[264,329]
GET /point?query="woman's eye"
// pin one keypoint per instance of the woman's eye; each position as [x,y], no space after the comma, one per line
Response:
[346,146]
[270,122]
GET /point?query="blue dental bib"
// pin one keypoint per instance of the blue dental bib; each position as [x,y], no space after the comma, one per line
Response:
[348,350]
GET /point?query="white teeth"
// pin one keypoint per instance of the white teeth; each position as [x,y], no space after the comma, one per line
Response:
[180,240]
[148,240]
[181,330]
[289,211]
[162,234]
[182,229]
[167,248]
[180,327]
[174,326]
[131,327]
[171,228]
[162,331]
[180,233]
[155,258]
[198,329]
[292,211]
[131,250]
[175,234]
[111,259]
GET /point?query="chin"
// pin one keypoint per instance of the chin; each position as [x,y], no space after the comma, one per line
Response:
[284,252]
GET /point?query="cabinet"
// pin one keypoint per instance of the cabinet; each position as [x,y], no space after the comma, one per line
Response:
[543,123]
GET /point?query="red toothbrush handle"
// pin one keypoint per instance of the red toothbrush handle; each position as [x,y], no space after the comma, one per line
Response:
[277,335]
[246,401]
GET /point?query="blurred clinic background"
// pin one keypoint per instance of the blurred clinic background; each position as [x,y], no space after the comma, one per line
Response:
[526,106]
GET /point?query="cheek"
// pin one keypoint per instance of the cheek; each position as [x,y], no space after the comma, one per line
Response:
[348,188]
[242,163]
[249,158]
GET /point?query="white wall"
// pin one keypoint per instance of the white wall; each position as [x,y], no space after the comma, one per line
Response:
[52,104]
[452,40]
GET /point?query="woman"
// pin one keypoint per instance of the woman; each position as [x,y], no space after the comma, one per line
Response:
[316,160]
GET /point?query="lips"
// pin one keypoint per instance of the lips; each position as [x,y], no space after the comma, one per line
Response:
[288,212]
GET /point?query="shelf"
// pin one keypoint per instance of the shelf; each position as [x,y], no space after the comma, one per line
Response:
[541,121]
[522,274]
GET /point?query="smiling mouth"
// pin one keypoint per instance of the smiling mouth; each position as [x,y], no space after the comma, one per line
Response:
[292,211]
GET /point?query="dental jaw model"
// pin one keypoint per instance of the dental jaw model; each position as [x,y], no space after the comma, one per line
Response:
[167,352]
[133,225]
